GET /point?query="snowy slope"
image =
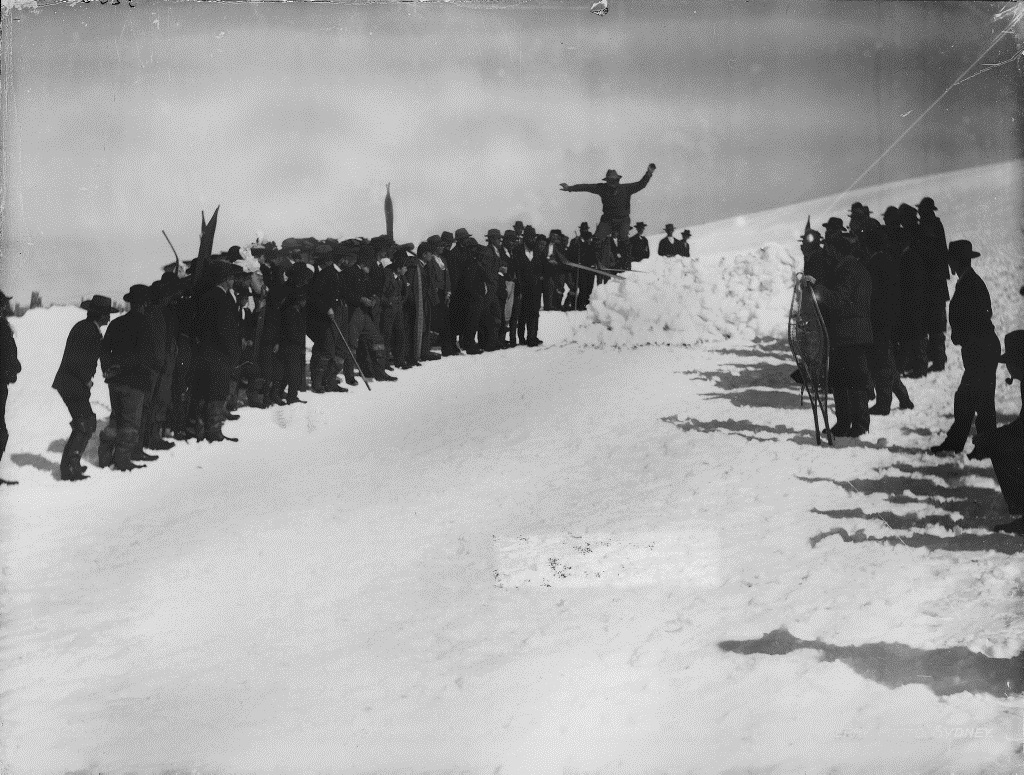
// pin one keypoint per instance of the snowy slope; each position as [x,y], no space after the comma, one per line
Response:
[735,284]
[522,562]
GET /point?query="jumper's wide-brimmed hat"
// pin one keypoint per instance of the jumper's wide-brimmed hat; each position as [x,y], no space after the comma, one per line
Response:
[612,175]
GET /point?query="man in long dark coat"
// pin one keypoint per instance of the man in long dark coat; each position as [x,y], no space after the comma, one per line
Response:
[885,307]
[970,322]
[639,247]
[220,346]
[324,296]
[478,293]
[615,204]
[530,262]
[936,274]
[291,351]
[583,252]
[129,361]
[911,355]
[668,246]
[10,367]
[73,382]
[845,294]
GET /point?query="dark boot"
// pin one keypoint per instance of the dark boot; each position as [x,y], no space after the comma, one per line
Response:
[378,362]
[106,451]
[844,412]
[316,378]
[215,411]
[860,419]
[71,467]
[123,458]
[900,391]
[139,454]
[350,373]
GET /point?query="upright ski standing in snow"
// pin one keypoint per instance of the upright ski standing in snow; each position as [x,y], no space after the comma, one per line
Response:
[808,339]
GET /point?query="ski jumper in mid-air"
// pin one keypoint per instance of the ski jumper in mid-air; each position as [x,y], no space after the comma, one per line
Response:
[615,198]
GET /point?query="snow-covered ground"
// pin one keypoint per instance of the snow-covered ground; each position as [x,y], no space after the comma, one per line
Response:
[592,559]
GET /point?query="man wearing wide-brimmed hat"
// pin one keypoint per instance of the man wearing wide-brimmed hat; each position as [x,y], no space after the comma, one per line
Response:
[639,247]
[970,324]
[934,248]
[73,382]
[129,361]
[323,321]
[669,244]
[218,329]
[10,367]
[615,203]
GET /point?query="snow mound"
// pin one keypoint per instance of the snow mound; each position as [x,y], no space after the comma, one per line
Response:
[684,301]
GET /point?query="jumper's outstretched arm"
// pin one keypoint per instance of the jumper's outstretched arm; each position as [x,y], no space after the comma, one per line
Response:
[590,188]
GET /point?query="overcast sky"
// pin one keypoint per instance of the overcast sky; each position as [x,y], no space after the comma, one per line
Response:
[124,121]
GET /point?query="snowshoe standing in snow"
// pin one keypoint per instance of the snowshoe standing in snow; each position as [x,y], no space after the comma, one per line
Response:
[615,202]
[970,322]
[10,367]
[129,361]
[808,339]
[73,382]
[845,294]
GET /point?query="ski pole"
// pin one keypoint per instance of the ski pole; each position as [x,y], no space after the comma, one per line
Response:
[350,353]
[177,261]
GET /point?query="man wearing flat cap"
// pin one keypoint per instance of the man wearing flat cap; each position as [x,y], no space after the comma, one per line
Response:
[129,361]
[936,277]
[615,204]
[218,326]
[970,323]
[73,382]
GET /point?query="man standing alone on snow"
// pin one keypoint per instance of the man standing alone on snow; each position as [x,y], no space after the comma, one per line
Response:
[970,323]
[615,201]
[73,383]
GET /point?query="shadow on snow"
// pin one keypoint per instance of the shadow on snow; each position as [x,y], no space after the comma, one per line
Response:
[944,671]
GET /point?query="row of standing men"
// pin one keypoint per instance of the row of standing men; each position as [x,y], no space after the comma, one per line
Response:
[201,341]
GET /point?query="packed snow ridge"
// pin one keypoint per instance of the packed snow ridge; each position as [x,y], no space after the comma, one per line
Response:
[685,301]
